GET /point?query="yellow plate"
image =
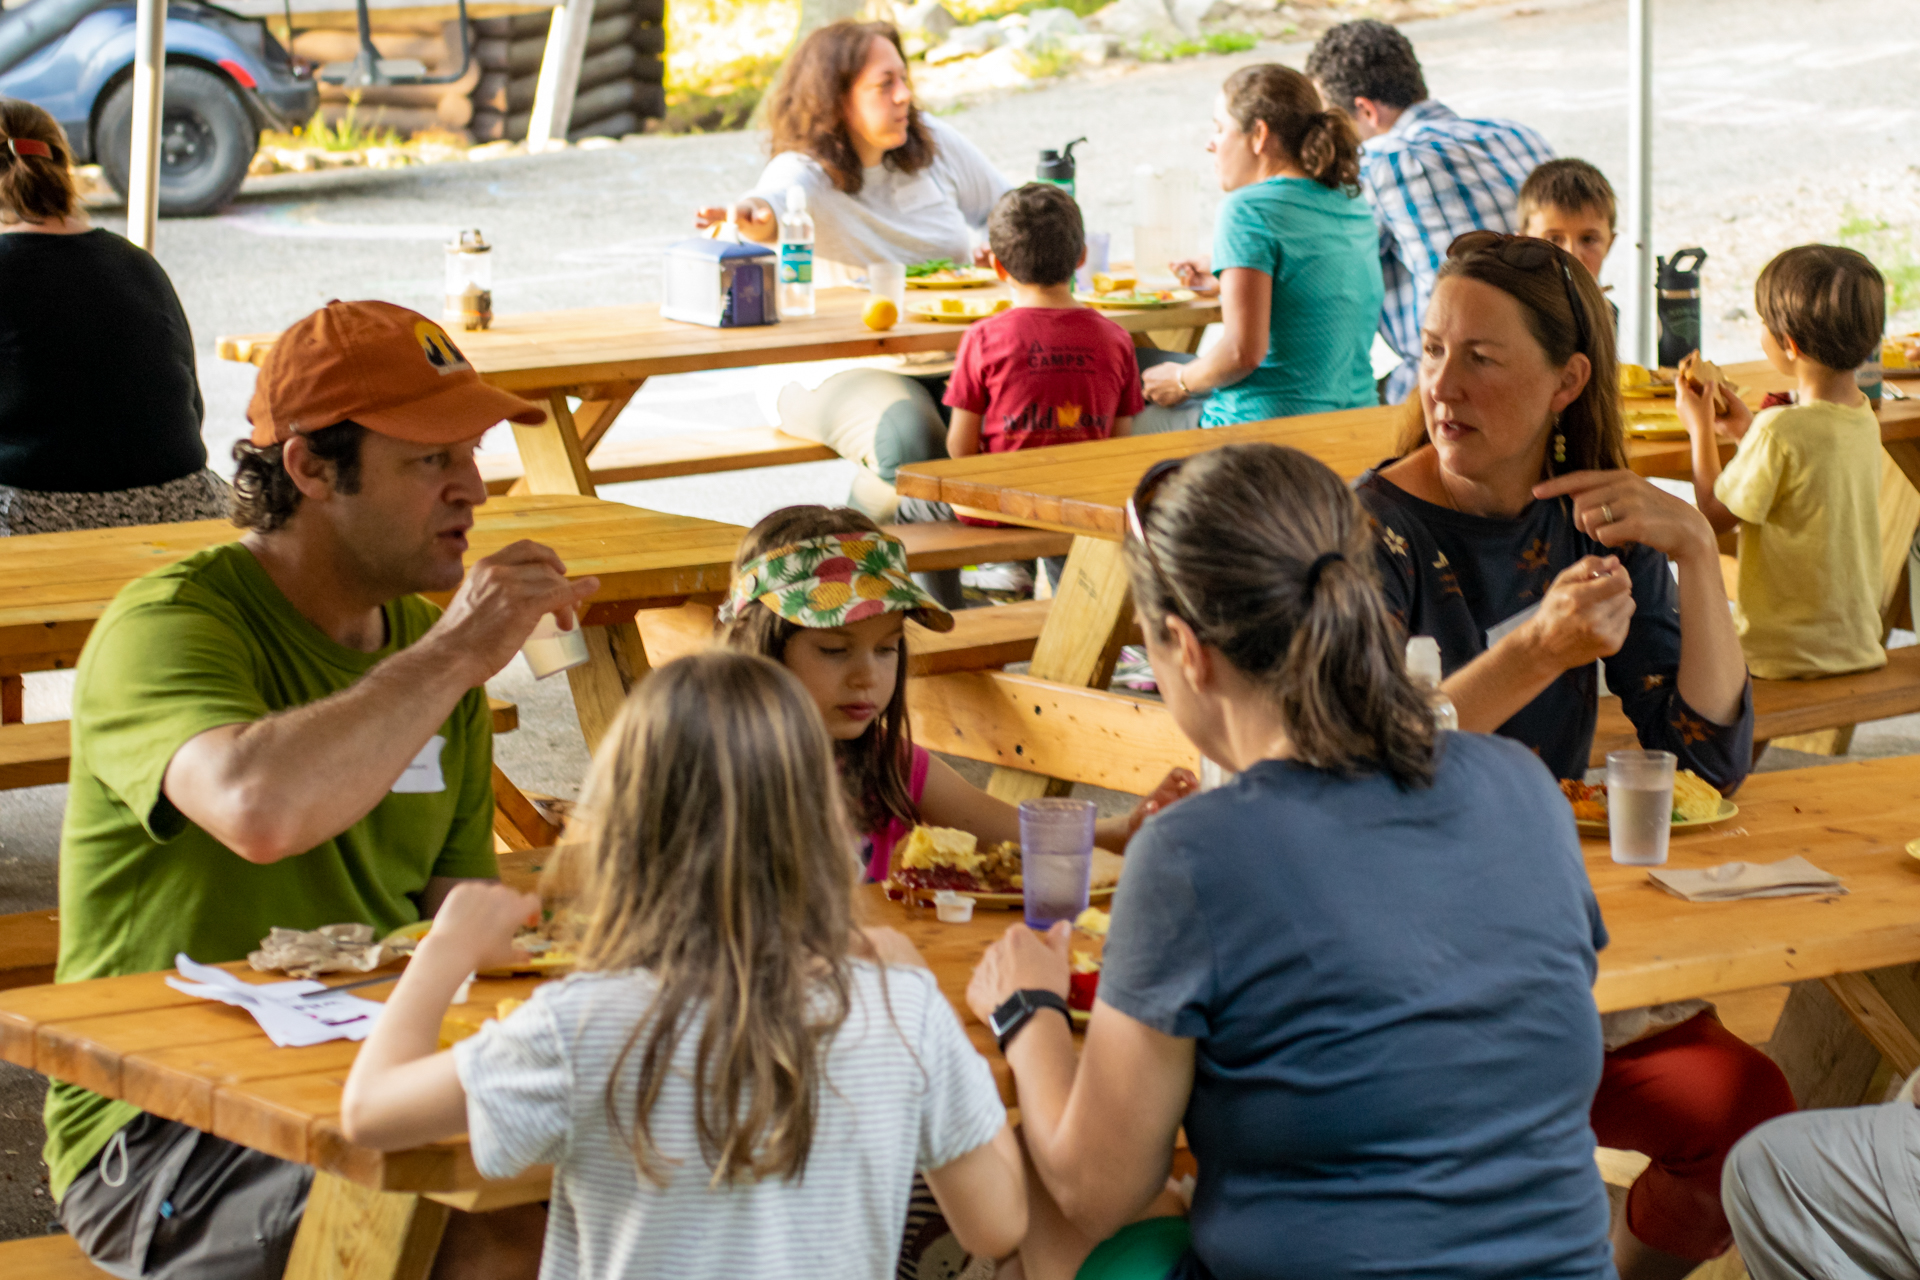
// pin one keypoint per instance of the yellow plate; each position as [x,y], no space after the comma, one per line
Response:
[1913,848]
[534,964]
[1149,301]
[1654,423]
[1011,901]
[933,315]
[959,278]
[1727,810]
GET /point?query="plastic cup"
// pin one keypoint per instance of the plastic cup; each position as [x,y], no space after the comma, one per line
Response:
[1099,248]
[888,280]
[1056,859]
[1639,806]
[549,650]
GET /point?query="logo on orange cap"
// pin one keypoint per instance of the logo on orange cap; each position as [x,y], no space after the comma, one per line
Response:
[387,368]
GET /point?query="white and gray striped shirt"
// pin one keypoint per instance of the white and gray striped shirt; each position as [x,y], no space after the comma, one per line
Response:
[904,1093]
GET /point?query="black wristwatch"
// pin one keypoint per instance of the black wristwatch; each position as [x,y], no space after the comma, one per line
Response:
[1018,1009]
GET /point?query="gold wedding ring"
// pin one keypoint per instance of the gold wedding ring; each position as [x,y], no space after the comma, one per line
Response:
[1606,514]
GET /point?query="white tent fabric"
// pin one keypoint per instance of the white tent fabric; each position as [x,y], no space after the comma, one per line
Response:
[1637,328]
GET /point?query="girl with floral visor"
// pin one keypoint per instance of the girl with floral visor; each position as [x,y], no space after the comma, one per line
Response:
[825,593]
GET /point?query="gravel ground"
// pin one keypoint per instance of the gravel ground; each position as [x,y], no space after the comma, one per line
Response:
[1777,121]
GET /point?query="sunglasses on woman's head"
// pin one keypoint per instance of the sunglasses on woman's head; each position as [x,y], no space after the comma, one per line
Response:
[1526,253]
[1156,475]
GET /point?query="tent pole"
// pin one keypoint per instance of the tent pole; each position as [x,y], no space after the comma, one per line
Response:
[1639,330]
[149,70]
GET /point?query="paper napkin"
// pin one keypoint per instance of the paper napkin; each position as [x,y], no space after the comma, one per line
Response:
[288,1020]
[1734,880]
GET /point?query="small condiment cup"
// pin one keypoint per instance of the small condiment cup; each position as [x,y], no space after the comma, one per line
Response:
[952,908]
[549,650]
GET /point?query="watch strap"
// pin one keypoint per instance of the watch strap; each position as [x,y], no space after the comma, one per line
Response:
[1025,1003]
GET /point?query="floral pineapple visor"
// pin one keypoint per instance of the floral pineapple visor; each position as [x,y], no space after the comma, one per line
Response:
[832,580]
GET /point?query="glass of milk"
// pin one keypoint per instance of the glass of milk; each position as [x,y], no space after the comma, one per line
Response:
[1639,806]
[549,650]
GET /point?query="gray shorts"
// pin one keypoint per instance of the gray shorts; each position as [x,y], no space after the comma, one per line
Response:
[185,1205]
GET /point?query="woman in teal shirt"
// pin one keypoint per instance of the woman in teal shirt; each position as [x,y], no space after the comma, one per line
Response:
[1296,262]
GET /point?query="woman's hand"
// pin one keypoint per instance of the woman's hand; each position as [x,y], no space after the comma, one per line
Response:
[1196,274]
[1618,507]
[1697,411]
[1021,961]
[474,928]
[755,217]
[1584,615]
[1177,785]
[1161,383]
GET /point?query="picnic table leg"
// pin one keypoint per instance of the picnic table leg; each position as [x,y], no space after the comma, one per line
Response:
[1885,1004]
[1078,645]
[515,819]
[599,406]
[13,699]
[1186,341]
[551,452]
[617,660]
[351,1232]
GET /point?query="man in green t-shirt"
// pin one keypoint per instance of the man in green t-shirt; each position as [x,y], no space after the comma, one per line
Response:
[279,731]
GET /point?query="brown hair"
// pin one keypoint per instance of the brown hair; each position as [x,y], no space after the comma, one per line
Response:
[716,856]
[1829,300]
[1037,234]
[874,766]
[265,496]
[1572,185]
[34,188]
[1320,141]
[1596,438]
[806,112]
[1274,557]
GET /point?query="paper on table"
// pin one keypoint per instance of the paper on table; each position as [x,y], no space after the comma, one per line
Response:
[289,1021]
[1734,880]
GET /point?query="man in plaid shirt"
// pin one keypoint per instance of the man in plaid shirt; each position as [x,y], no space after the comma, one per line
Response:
[1429,175]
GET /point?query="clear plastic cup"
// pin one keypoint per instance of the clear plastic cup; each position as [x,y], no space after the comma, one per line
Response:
[549,650]
[888,280]
[1639,806]
[1056,859]
[1099,249]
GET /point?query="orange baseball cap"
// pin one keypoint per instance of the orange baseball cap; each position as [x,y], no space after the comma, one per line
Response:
[387,368]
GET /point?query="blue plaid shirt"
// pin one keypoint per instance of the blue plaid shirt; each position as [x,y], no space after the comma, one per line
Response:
[1431,177]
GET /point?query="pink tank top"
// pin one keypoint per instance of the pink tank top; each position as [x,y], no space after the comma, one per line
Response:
[880,843]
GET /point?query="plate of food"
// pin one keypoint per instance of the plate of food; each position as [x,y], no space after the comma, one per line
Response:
[1900,354]
[935,858]
[958,310]
[945,273]
[544,954]
[1640,383]
[1651,420]
[1696,803]
[1137,299]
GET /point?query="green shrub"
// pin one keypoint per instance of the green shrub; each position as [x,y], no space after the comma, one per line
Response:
[1892,250]
[1151,50]
[347,135]
[722,100]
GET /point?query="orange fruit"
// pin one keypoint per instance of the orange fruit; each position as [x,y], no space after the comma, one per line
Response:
[880,314]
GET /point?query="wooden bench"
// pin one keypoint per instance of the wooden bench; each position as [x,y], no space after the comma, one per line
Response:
[54,1257]
[37,755]
[1782,708]
[664,457]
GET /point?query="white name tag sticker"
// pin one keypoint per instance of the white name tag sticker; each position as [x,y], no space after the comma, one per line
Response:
[422,773]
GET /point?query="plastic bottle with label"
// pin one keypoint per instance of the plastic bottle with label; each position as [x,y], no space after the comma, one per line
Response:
[796,256]
[1423,664]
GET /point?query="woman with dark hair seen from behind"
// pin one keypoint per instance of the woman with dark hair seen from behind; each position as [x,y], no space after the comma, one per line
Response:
[100,407]
[1270,978]
[1513,533]
[1296,263]
[885,182]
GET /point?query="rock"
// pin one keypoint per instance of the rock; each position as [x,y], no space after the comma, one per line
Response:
[388,158]
[1190,15]
[496,150]
[597,143]
[1131,20]
[261,165]
[928,19]
[1056,24]
[968,42]
[1091,47]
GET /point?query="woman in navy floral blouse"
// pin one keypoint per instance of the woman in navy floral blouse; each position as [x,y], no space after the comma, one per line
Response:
[1513,533]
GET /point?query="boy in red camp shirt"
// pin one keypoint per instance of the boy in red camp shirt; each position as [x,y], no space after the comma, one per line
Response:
[1050,371]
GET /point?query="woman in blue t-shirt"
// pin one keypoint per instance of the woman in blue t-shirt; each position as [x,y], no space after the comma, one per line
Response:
[1359,974]
[1296,262]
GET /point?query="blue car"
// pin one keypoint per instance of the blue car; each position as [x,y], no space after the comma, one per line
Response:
[227,79]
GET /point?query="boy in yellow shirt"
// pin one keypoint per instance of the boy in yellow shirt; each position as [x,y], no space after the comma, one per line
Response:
[1803,487]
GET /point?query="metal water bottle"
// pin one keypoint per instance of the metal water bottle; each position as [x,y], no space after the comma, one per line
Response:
[1056,167]
[1677,294]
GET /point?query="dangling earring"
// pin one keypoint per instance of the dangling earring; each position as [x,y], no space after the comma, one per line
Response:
[1559,441]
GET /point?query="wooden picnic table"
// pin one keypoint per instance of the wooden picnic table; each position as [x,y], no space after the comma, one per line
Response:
[379,1215]
[55,586]
[1082,489]
[602,355]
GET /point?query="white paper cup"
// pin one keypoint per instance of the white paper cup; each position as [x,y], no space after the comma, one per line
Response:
[549,650]
[888,280]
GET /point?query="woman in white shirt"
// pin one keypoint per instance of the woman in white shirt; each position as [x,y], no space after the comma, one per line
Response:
[885,183]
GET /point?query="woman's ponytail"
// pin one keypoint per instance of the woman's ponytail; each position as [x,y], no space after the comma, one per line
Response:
[36,166]
[1323,143]
[1275,557]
